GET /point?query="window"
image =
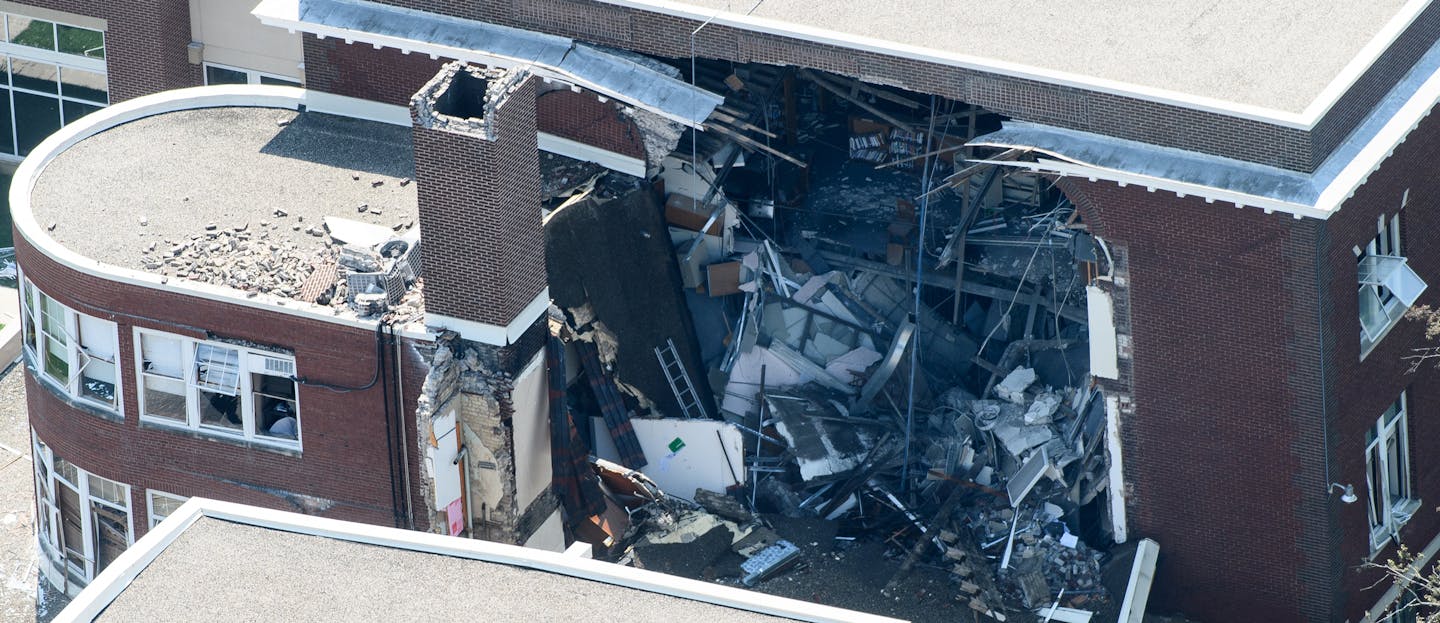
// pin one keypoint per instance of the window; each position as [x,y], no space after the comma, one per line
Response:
[220,74]
[162,505]
[50,74]
[73,351]
[162,379]
[84,521]
[218,388]
[1388,286]
[1387,474]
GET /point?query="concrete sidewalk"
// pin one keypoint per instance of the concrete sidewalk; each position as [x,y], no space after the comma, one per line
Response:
[17,503]
[10,332]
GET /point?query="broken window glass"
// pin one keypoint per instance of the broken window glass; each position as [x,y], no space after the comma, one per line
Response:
[1387,472]
[1387,284]
[54,341]
[98,344]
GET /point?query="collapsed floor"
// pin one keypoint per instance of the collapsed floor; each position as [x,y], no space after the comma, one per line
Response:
[824,353]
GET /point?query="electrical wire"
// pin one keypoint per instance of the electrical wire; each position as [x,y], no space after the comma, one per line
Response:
[925,182]
[374,378]
[1023,276]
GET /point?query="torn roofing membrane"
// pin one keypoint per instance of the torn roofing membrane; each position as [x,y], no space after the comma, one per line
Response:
[560,57]
[1186,172]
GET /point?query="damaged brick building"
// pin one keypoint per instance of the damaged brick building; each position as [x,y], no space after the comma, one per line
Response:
[646,208]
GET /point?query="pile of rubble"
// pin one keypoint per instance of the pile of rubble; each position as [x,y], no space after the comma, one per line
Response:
[906,366]
[268,260]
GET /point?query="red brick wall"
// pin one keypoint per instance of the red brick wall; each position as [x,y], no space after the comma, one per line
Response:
[360,70]
[344,460]
[145,43]
[1215,452]
[1246,368]
[480,206]
[1364,389]
[583,118]
[392,77]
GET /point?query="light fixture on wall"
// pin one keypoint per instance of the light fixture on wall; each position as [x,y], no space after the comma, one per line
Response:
[1347,494]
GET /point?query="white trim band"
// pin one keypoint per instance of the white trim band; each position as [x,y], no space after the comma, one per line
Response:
[108,586]
[1305,120]
[492,334]
[29,171]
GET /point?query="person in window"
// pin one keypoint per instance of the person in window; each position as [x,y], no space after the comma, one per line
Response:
[281,415]
[287,427]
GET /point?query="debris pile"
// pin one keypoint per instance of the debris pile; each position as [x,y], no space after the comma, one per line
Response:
[360,269]
[905,365]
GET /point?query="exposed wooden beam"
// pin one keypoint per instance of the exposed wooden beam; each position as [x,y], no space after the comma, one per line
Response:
[866,106]
[754,145]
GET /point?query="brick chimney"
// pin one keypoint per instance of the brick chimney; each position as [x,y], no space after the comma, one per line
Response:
[477,170]
[477,174]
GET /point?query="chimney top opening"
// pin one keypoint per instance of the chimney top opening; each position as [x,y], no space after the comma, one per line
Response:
[465,99]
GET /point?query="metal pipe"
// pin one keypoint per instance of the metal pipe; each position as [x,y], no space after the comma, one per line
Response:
[464,454]
[919,279]
[404,438]
[760,421]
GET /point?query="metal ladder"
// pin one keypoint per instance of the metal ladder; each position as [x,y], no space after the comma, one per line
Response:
[679,380]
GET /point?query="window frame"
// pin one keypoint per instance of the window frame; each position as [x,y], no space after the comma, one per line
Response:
[1374,301]
[1390,432]
[245,392]
[252,76]
[57,552]
[33,327]
[150,496]
[61,61]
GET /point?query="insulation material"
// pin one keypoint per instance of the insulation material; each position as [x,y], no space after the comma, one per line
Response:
[744,384]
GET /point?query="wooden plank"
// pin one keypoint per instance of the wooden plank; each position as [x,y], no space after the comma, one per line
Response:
[754,145]
[864,105]
[741,124]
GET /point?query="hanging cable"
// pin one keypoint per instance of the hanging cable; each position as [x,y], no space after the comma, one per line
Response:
[925,182]
[374,378]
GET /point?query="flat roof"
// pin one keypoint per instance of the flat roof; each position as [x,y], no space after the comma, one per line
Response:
[214,560]
[1279,56]
[217,567]
[131,196]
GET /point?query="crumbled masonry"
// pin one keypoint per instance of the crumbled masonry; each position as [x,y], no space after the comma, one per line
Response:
[960,434]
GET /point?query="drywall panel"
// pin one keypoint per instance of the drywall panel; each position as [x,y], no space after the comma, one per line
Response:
[685,455]
[1104,353]
[531,401]
[442,461]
